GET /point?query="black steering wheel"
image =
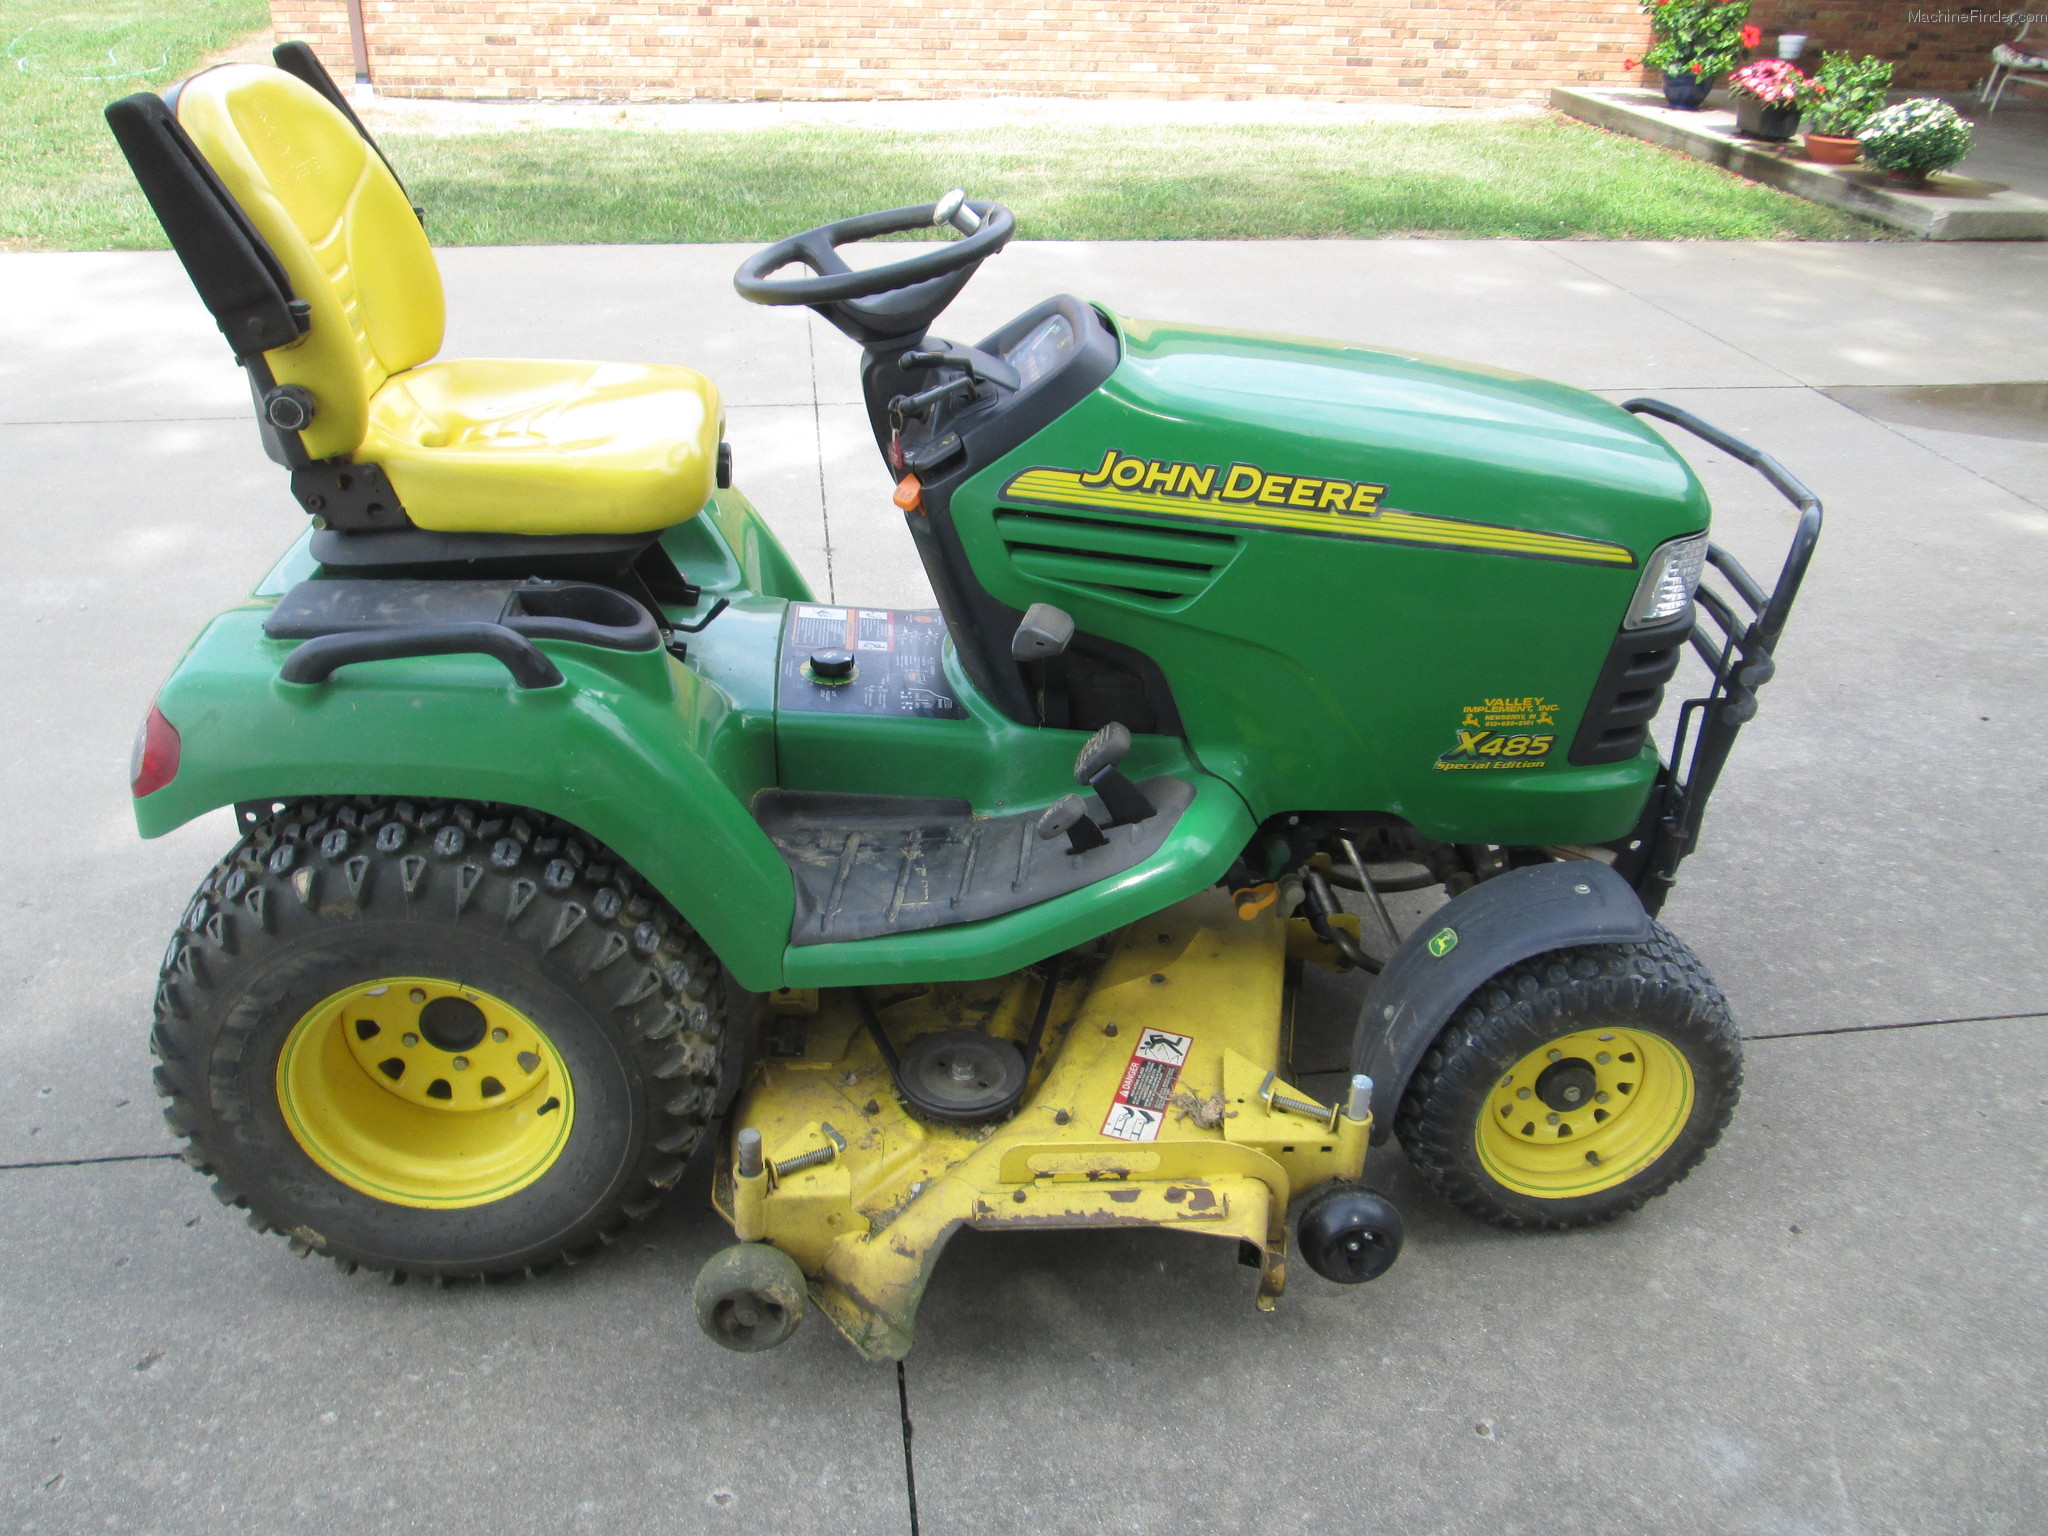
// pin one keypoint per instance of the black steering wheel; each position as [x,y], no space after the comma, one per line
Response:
[984,227]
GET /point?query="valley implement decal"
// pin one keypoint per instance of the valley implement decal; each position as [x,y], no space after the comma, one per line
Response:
[1503,734]
[1246,495]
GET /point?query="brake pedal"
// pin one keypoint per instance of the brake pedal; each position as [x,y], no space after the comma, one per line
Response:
[1096,768]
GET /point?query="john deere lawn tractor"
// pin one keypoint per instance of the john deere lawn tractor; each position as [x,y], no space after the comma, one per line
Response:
[574,829]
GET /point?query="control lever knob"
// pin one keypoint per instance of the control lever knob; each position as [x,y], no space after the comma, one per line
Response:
[1070,815]
[1044,632]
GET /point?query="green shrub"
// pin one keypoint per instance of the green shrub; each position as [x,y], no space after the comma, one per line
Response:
[1915,137]
[1695,37]
[1851,93]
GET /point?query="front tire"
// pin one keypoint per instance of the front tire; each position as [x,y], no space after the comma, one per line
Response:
[434,1038]
[1574,1086]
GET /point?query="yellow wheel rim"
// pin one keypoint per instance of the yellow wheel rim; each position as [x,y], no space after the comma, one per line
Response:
[425,1093]
[1585,1112]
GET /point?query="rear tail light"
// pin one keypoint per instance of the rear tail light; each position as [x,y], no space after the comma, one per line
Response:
[155,760]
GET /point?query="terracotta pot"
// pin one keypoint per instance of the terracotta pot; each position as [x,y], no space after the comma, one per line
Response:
[1832,148]
[1686,93]
[1765,120]
[1907,178]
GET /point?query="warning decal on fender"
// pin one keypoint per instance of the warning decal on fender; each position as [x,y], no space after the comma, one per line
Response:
[1139,1108]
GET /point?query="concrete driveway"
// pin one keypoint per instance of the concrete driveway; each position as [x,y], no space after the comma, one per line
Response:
[1836,1326]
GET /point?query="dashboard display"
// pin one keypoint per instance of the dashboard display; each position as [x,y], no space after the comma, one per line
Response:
[1042,352]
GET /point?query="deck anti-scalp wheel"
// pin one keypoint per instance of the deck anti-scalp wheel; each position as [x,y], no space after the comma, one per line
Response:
[1574,1086]
[749,1297]
[436,1039]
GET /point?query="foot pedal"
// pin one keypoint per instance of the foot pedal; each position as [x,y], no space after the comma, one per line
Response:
[1096,768]
[1070,816]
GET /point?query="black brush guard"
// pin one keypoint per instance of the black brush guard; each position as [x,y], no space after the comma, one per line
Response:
[1736,643]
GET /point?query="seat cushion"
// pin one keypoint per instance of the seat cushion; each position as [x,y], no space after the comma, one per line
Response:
[491,445]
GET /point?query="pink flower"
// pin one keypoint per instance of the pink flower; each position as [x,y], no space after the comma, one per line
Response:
[1628,63]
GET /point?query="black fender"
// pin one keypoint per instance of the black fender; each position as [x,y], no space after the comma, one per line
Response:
[1470,939]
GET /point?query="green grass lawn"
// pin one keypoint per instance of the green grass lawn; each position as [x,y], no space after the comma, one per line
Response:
[63,185]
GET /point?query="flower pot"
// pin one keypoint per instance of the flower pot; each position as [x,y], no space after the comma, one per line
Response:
[1831,148]
[1686,93]
[1907,178]
[1765,120]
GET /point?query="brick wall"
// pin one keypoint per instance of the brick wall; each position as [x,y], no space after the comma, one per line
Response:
[1928,55]
[1422,51]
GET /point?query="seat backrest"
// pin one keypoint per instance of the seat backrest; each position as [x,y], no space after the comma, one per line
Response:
[340,225]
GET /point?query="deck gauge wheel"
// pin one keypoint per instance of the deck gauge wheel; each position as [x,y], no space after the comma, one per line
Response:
[1348,1233]
[749,1297]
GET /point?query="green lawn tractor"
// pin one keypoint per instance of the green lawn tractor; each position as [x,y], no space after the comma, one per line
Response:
[574,828]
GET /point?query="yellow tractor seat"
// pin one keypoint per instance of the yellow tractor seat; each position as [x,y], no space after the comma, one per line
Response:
[478,446]
[515,446]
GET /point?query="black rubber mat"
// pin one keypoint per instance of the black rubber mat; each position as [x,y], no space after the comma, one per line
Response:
[868,865]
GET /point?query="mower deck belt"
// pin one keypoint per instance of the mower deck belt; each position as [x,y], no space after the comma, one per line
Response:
[868,865]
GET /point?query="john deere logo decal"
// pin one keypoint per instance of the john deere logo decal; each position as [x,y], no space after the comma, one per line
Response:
[1443,941]
[1248,495]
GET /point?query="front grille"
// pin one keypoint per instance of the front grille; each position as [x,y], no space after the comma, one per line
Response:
[1630,692]
[1112,557]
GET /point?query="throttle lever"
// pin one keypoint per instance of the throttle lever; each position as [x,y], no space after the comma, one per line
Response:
[976,364]
[920,405]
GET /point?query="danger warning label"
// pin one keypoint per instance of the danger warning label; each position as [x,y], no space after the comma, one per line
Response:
[1139,1108]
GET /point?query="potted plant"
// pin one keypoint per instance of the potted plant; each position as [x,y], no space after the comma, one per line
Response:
[1847,91]
[1914,139]
[1692,41]
[1769,96]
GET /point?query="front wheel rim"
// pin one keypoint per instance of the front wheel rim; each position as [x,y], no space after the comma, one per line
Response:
[1584,1112]
[423,1092]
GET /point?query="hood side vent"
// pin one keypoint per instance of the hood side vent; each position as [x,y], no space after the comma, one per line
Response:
[1149,562]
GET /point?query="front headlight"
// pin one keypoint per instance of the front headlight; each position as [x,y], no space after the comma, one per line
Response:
[1670,578]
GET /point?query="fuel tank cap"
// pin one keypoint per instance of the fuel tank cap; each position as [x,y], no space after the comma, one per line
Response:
[832,668]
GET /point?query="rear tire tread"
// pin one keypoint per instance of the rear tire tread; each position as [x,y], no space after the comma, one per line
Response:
[559,888]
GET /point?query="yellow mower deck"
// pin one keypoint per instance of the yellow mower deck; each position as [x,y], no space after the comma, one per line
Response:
[1151,1105]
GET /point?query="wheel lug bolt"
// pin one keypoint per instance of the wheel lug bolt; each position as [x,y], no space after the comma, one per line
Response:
[1600,1097]
[1557,1055]
[418,996]
[500,1036]
[1521,1093]
[410,1038]
[1603,1058]
[462,1063]
[1552,1118]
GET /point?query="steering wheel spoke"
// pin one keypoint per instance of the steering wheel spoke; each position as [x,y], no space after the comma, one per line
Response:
[819,254]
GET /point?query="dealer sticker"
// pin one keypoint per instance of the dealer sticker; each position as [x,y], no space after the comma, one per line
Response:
[1139,1108]
[1503,733]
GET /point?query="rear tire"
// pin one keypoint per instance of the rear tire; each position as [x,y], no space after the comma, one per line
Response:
[436,1038]
[1574,1086]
